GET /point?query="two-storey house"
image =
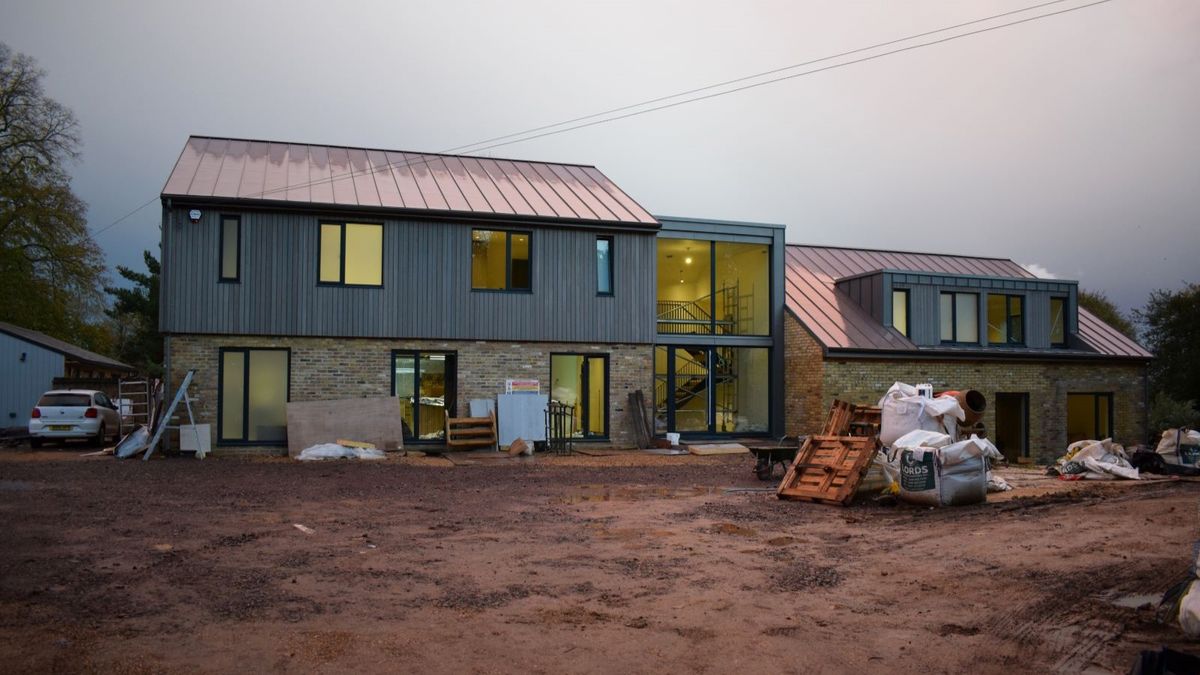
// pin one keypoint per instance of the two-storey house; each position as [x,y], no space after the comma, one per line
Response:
[310,272]
[859,320]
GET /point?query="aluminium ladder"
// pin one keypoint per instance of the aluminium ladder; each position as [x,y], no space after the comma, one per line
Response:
[133,397]
[169,413]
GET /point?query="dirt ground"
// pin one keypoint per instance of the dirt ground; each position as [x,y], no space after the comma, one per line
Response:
[584,564]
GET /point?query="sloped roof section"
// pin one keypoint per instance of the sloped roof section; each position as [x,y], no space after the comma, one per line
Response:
[65,348]
[840,323]
[327,175]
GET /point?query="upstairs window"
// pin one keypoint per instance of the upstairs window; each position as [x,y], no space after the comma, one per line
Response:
[1058,322]
[231,247]
[501,261]
[351,254]
[959,315]
[900,311]
[604,266]
[1006,319]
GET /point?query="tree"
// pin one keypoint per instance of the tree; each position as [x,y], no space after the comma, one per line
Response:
[1098,303]
[135,311]
[50,268]
[1170,324]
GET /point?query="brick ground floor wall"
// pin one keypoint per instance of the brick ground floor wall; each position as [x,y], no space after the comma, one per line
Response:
[334,368]
[813,382]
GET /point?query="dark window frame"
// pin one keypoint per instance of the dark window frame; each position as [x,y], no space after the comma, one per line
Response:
[907,332]
[1008,320]
[671,382]
[342,257]
[954,318]
[451,397]
[584,389]
[712,288]
[220,439]
[237,276]
[1096,396]
[508,267]
[1066,333]
[612,276]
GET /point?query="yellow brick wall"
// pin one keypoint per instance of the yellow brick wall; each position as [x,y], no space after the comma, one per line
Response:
[333,368]
[1047,383]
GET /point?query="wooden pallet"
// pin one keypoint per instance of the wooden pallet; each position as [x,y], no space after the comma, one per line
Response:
[828,469]
[471,432]
[848,419]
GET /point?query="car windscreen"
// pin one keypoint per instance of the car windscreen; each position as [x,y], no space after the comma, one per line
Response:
[66,400]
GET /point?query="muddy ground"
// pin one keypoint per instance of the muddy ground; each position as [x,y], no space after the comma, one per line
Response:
[629,564]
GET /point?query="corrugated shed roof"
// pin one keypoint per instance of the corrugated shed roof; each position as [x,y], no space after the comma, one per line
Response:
[64,348]
[840,323]
[229,168]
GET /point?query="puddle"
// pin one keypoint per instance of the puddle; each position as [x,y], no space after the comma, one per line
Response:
[605,493]
[1136,601]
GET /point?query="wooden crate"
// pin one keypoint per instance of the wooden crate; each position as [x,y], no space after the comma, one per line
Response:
[828,469]
[471,432]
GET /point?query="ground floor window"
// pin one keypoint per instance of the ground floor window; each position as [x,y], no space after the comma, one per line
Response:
[253,395]
[424,383]
[580,381]
[1089,416]
[715,390]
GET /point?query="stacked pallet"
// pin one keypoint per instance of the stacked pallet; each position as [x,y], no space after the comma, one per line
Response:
[830,466]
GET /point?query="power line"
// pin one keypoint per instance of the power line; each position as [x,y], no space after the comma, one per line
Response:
[552,129]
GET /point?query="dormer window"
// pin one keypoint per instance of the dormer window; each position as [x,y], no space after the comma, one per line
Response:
[959,317]
[1058,322]
[1006,319]
[900,310]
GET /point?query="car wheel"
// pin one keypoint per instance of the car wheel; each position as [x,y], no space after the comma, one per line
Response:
[98,439]
[35,443]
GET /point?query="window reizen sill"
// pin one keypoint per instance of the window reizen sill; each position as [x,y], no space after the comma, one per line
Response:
[952,343]
[335,284]
[513,291]
[229,281]
[606,295]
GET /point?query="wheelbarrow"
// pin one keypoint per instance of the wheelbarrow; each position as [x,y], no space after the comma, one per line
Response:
[767,457]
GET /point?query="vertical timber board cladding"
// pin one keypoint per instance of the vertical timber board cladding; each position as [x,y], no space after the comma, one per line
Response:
[426,290]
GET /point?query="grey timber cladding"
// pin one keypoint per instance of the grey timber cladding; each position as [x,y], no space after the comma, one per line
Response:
[426,289]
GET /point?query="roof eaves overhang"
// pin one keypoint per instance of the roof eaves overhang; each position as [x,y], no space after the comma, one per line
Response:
[468,217]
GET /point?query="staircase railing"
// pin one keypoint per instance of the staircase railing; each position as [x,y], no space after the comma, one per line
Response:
[689,317]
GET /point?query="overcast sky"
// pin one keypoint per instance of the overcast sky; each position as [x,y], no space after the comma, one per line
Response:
[1071,143]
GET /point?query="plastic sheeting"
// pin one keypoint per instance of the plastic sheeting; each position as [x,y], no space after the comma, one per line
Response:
[1095,460]
[335,451]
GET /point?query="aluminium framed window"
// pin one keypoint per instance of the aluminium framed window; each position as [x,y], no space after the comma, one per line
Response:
[1005,319]
[253,388]
[230,250]
[502,261]
[901,310]
[350,254]
[1089,416]
[1058,322]
[604,265]
[959,317]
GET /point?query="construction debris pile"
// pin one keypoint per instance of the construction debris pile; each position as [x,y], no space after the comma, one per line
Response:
[1094,460]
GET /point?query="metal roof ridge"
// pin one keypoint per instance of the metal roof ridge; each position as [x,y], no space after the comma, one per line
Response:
[368,149]
[892,250]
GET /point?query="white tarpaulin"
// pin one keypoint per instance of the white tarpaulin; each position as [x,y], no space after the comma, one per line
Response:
[1095,460]
[335,451]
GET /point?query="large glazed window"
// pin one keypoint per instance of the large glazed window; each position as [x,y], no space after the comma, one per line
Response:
[351,254]
[253,394]
[715,390]
[1089,417]
[580,382]
[501,261]
[1006,319]
[424,382]
[959,316]
[1058,322]
[231,247]
[742,300]
[684,304]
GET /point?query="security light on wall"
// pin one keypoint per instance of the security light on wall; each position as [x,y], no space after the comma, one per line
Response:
[194,216]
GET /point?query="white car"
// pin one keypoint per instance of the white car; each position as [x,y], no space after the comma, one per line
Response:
[65,414]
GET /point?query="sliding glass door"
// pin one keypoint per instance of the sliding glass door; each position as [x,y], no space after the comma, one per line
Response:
[253,396]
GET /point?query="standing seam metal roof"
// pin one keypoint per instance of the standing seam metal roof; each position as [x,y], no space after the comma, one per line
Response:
[231,168]
[838,322]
